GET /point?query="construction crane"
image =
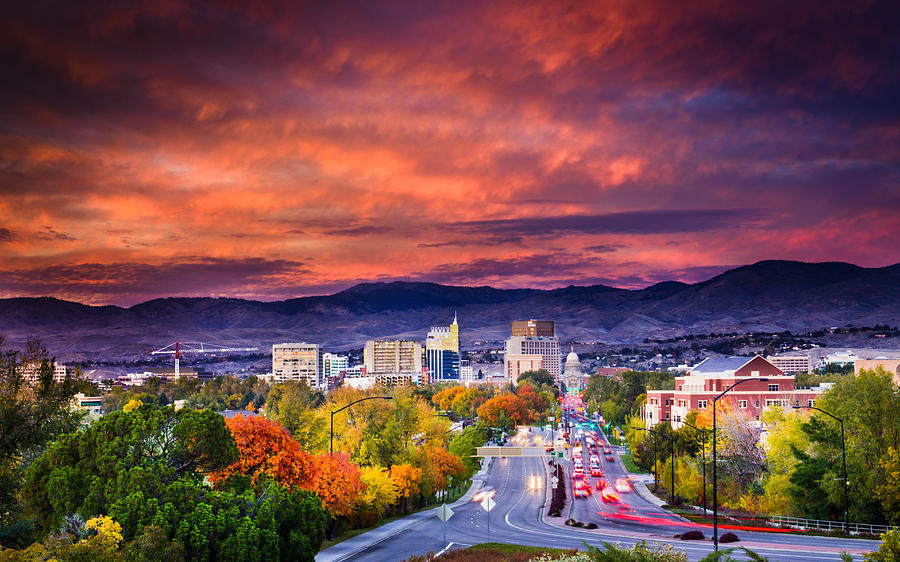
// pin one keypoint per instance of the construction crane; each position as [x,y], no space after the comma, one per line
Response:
[178,348]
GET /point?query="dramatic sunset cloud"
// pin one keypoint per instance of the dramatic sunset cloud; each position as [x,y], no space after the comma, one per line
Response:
[272,150]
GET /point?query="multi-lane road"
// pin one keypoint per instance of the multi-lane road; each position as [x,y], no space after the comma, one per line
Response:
[520,518]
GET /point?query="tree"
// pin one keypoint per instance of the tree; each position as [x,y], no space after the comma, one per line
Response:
[381,490]
[407,479]
[888,492]
[265,448]
[339,483]
[465,446]
[447,468]
[505,411]
[145,468]
[31,415]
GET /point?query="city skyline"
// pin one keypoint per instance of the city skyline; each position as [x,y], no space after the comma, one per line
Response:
[271,151]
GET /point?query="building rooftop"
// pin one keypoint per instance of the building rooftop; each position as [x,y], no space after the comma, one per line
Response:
[720,364]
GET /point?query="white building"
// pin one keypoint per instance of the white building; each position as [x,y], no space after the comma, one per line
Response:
[334,364]
[546,347]
[792,364]
[32,371]
[299,362]
[466,372]
[840,358]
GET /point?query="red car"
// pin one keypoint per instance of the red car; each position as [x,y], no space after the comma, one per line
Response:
[601,483]
[609,458]
[609,496]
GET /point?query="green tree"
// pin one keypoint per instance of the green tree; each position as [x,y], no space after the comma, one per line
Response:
[31,415]
[464,446]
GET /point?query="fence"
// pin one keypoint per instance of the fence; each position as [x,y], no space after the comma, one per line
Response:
[821,525]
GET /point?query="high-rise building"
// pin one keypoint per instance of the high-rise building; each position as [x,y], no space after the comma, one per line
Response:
[334,364]
[299,362]
[546,347]
[533,328]
[31,372]
[393,357]
[442,351]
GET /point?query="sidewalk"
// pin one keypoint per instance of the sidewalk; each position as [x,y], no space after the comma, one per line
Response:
[349,548]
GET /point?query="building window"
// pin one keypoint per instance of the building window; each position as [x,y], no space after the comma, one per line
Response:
[667,415]
[757,403]
[701,404]
[773,388]
[682,403]
[742,403]
[811,403]
[678,419]
[667,401]
[754,373]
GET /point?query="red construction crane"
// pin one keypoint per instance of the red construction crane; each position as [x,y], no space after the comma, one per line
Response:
[179,348]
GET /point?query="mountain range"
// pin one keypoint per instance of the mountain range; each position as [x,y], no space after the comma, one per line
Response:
[765,296]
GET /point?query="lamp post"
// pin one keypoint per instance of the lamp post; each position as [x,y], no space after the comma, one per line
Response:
[672,444]
[333,412]
[843,463]
[703,440]
[715,482]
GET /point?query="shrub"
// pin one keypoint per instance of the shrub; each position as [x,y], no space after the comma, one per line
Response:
[590,526]
[889,550]
[570,522]
[692,536]
[729,537]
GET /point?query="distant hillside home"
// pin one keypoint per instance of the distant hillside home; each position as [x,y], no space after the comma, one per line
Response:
[891,366]
[706,380]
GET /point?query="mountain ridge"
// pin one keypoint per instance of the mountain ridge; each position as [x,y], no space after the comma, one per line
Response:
[771,295]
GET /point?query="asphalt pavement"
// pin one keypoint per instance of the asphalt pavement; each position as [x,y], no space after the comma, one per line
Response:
[519,517]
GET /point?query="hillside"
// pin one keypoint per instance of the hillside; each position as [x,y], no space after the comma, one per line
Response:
[765,296]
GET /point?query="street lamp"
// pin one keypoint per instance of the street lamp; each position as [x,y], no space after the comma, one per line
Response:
[672,443]
[703,440]
[843,462]
[715,491]
[333,412]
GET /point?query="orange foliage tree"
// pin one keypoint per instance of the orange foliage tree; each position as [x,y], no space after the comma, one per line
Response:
[338,483]
[534,402]
[407,477]
[445,466]
[503,410]
[444,399]
[266,448]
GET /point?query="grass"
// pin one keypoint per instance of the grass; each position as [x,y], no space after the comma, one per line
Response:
[494,551]
[629,464]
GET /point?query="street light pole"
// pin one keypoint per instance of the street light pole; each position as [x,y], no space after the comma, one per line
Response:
[703,440]
[333,412]
[672,444]
[843,463]
[715,482]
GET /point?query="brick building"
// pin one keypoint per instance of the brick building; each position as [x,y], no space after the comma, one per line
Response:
[706,380]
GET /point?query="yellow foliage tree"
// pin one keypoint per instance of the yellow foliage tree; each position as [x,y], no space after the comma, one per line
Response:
[407,478]
[131,405]
[381,490]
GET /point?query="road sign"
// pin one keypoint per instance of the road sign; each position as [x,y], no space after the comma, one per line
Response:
[444,512]
[488,504]
[555,480]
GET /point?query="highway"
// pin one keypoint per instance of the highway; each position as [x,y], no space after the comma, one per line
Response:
[520,518]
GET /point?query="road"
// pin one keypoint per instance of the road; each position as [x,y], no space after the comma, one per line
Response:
[519,518]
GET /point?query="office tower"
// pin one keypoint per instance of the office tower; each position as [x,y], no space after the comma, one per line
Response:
[533,328]
[393,357]
[333,364]
[299,362]
[546,347]
[442,351]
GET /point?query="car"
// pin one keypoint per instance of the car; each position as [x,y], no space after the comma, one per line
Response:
[596,471]
[622,485]
[582,492]
[595,459]
[578,472]
[609,496]
[609,458]
[601,483]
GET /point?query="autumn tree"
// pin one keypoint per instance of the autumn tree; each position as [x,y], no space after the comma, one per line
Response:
[339,483]
[505,411]
[380,490]
[407,479]
[265,447]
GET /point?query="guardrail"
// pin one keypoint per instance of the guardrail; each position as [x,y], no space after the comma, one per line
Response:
[822,525]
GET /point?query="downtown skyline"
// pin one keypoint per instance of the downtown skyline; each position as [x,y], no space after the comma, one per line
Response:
[270,151]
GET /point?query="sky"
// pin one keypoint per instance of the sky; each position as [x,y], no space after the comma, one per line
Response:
[277,150]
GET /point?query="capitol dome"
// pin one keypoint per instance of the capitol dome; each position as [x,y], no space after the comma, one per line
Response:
[572,357]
